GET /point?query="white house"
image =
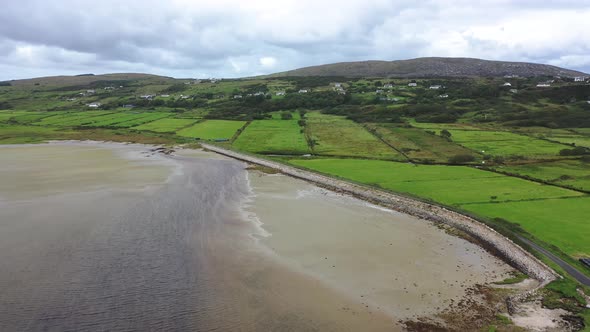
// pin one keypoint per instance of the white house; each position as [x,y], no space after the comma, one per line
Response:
[443,96]
[435,87]
[165,96]
[412,84]
[280,93]
[337,85]
[237,96]
[378,91]
[388,86]
[259,93]
[507,84]
[90,91]
[71,99]
[543,85]
[513,90]
[94,105]
[303,91]
[579,79]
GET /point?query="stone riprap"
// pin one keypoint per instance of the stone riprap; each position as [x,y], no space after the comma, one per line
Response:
[517,256]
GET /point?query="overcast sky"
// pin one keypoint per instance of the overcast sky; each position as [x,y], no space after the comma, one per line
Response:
[227,38]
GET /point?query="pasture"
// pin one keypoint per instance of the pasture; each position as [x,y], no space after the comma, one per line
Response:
[338,136]
[273,137]
[165,125]
[212,129]
[451,185]
[572,173]
[417,144]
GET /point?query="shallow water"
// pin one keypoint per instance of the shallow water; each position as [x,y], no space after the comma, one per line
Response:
[112,237]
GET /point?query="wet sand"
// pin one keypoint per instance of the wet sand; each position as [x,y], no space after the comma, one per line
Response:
[114,237]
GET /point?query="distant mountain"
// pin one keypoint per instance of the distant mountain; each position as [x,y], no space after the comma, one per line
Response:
[86,79]
[432,67]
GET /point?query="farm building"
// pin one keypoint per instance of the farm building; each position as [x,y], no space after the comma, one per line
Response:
[94,105]
[579,79]
[435,87]
[507,84]
[280,93]
[412,84]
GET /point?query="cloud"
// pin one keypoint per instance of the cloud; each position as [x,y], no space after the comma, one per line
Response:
[230,38]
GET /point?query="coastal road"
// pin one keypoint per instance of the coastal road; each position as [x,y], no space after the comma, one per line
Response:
[575,273]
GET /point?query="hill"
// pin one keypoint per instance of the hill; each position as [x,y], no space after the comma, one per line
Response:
[432,67]
[86,79]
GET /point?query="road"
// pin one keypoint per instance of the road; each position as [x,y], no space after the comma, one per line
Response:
[574,272]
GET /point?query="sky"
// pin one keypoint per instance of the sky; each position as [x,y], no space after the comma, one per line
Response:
[231,38]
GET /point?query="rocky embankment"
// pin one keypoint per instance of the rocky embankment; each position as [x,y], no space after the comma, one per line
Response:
[519,257]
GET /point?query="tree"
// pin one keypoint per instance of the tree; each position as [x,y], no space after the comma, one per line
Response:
[445,133]
[286,116]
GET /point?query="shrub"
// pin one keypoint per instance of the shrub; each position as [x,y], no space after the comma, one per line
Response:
[461,158]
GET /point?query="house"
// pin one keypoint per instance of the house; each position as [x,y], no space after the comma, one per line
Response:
[443,96]
[579,79]
[259,93]
[90,91]
[507,84]
[513,90]
[109,88]
[588,101]
[147,97]
[378,91]
[388,86]
[237,96]
[303,91]
[337,85]
[71,99]
[94,105]
[128,106]
[543,85]
[165,96]
[280,93]
[435,87]
[412,84]
[183,97]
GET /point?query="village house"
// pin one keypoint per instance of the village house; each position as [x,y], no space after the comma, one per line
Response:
[507,84]
[147,97]
[443,96]
[72,99]
[109,88]
[128,106]
[337,85]
[237,96]
[412,84]
[388,86]
[259,93]
[280,93]
[543,85]
[90,91]
[513,90]
[378,91]
[579,79]
[435,87]
[94,105]
[303,91]
[165,96]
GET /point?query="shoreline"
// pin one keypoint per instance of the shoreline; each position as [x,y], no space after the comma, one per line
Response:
[506,248]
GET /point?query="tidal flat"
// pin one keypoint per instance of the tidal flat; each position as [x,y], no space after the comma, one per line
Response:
[105,236]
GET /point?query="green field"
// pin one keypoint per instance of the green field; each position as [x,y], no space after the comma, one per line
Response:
[273,136]
[502,143]
[212,129]
[165,125]
[572,173]
[561,222]
[420,145]
[17,134]
[555,215]
[68,119]
[140,119]
[451,185]
[337,136]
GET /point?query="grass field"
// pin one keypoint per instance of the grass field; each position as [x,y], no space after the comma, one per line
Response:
[549,212]
[17,134]
[337,136]
[273,136]
[572,173]
[140,119]
[561,222]
[212,129]
[420,145]
[64,119]
[502,143]
[452,185]
[165,125]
